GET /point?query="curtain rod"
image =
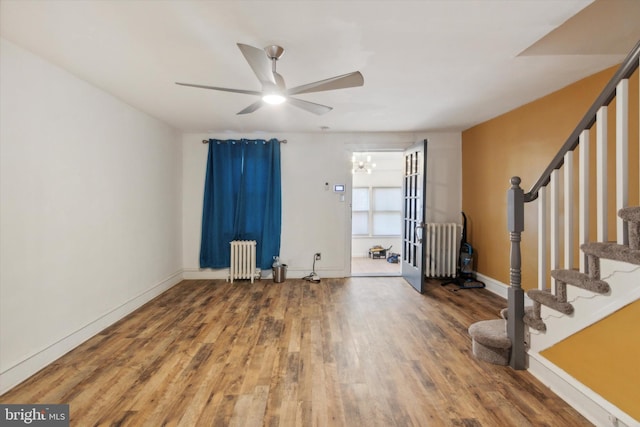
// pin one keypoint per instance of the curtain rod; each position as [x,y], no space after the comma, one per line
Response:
[206,141]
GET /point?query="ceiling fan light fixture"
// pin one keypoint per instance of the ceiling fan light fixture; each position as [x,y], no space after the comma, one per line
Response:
[273,98]
[274,91]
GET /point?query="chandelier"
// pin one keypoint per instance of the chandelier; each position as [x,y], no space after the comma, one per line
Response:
[361,166]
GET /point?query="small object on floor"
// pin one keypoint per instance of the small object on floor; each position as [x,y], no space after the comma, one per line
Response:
[313,276]
[378,252]
[465,282]
[393,258]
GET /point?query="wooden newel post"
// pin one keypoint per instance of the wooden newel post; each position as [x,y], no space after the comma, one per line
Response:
[515,323]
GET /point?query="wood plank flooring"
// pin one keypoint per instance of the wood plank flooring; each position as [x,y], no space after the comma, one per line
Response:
[343,352]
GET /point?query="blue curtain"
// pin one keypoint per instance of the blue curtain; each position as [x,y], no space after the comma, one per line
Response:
[242,200]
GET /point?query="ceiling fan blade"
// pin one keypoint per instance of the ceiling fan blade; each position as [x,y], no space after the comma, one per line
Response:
[339,82]
[279,81]
[259,63]
[224,89]
[309,106]
[251,108]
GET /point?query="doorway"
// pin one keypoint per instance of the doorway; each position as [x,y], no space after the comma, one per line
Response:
[376,213]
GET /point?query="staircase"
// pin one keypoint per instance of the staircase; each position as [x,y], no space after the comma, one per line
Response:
[506,340]
[490,340]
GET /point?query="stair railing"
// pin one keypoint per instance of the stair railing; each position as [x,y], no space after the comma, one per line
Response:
[548,187]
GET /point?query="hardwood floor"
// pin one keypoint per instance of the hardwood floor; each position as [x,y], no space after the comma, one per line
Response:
[343,352]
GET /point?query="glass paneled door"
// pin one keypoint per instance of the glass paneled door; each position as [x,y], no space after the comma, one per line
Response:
[413,209]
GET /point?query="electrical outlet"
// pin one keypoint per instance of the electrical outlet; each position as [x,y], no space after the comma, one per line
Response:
[318,256]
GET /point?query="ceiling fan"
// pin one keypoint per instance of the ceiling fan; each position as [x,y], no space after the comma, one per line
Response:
[274,91]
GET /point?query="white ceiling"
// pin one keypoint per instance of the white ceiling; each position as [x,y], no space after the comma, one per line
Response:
[428,65]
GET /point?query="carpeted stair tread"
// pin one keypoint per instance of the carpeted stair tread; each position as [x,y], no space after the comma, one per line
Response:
[534,322]
[550,300]
[490,341]
[631,213]
[612,251]
[581,280]
[491,333]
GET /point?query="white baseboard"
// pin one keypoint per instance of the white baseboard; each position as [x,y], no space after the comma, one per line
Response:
[205,274]
[328,273]
[499,288]
[19,372]
[223,274]
[584,400]
[494,286]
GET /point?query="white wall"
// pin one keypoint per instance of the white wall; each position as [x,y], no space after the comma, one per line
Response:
[314,219]
[90,211]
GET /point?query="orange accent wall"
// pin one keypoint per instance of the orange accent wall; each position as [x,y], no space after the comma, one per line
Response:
[604,357]
[521,143]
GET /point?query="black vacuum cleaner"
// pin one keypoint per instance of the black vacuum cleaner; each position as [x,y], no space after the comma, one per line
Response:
[465,278]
